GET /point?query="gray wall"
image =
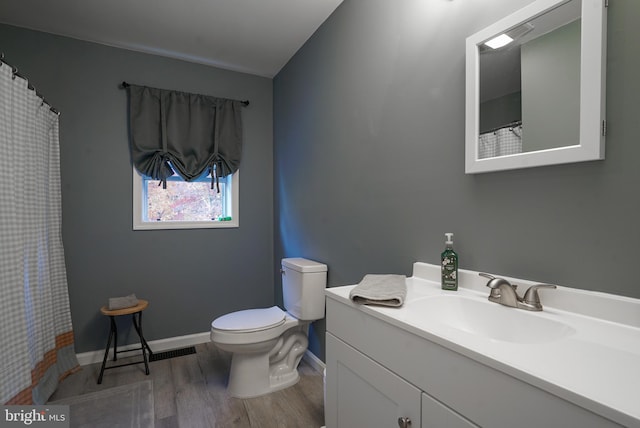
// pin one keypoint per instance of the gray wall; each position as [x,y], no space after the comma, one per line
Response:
[500,111]
[189,276]
[551,77]
[369,157]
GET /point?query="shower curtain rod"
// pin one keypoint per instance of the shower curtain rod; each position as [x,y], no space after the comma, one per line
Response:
[507,125]
[29,85]
[125,85]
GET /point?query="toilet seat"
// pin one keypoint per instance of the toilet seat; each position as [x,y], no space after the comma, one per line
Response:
[250,320]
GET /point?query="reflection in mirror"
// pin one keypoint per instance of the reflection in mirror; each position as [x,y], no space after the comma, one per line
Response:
[537,65]
[535,87]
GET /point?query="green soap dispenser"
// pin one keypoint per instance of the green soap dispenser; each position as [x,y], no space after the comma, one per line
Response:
[449,260]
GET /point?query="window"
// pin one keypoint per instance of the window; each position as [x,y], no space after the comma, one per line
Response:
[184,205]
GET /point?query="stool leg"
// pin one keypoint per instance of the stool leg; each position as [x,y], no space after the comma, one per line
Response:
[115,338]
[139,330]
[106,350]
[143,343]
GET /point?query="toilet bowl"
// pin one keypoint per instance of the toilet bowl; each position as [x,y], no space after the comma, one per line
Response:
[267,344]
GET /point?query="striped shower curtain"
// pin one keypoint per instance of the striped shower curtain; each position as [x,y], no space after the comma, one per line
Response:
[36,336]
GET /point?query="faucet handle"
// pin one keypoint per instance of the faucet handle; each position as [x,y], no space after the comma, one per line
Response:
[494,282]
[531,296]
[486,275]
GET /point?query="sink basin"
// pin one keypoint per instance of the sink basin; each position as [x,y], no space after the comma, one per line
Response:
[487,319]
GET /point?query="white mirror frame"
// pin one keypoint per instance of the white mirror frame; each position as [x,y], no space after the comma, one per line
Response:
[592,91]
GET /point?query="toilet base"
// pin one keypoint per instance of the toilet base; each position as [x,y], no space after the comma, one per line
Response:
[256,374]
[249,377]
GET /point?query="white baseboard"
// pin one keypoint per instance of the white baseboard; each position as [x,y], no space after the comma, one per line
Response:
[177,342]
[160,345]
[314,361]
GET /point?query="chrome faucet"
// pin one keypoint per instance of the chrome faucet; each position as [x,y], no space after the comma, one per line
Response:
[503,292]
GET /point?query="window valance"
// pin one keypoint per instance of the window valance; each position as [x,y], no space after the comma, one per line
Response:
[184,133]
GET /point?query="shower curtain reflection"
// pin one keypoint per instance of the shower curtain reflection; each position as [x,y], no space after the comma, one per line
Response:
[500,142]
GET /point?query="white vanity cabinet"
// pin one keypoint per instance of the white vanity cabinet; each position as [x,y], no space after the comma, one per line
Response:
[437,415]
[365,394]
[380,370]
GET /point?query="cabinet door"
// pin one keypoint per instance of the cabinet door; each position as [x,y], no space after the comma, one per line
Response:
[437,415]
[362,394]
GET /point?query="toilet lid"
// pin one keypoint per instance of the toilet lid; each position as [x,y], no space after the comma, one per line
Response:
[250,320]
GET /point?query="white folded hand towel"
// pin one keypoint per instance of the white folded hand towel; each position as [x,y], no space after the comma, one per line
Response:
[384,290]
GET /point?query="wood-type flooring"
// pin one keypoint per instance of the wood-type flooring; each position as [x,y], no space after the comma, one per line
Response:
[190,392]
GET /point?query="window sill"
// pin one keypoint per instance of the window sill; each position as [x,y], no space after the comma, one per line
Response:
[163,225]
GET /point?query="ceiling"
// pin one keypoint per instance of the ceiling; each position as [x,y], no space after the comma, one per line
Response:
[251,36]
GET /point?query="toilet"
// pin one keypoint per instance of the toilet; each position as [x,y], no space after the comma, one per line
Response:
[267,344]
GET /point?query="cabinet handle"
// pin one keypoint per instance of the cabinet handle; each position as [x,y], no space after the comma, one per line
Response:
[404,422]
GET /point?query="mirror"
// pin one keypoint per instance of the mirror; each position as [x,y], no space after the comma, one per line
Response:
[537,99]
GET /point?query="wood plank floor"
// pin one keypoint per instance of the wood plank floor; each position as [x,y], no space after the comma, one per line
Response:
[190,392]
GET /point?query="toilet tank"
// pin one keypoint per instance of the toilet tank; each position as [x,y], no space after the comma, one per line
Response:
[303,284]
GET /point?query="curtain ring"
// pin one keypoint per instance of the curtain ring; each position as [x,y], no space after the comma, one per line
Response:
[15,73]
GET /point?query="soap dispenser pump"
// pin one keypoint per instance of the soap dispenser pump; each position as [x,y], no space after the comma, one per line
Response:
[449,265]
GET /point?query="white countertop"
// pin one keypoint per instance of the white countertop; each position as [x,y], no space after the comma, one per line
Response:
[596,367]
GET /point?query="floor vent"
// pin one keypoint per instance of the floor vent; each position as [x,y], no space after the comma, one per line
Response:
[157,356]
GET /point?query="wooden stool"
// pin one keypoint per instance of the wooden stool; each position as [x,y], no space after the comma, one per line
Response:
[113,334]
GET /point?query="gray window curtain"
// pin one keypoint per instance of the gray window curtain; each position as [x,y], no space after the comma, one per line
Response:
[184,133]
